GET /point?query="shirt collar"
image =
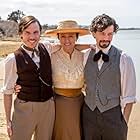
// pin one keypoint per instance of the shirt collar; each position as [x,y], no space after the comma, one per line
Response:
[36,47]
[105,50]
[66,54]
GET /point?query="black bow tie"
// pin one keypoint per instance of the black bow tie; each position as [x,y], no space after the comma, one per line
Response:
[97,56]
[33,50]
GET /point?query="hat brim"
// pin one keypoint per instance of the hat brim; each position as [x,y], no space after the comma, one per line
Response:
[54,32]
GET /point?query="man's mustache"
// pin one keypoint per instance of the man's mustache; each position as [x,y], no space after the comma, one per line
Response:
[104,41]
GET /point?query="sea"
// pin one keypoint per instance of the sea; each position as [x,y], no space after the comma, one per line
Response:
[126,40]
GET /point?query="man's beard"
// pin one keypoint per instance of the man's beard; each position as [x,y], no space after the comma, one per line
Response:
[104,44]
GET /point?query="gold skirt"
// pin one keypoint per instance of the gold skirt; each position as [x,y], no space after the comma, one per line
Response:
[67,122]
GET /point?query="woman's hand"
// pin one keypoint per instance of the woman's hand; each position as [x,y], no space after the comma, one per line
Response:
[93,46]
[17,88]
[82,47]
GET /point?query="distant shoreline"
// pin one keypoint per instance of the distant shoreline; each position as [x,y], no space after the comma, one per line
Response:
[129,28]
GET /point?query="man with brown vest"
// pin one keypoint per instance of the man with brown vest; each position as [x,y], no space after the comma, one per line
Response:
[30,67]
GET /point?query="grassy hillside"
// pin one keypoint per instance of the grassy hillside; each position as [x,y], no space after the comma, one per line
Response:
[7,47]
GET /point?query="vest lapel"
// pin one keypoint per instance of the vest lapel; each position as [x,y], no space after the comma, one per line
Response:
[104,67]
[42,54]
[95,64]
[108,64]
[28,59]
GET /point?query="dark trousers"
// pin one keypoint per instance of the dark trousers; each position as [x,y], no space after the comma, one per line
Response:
[109,125]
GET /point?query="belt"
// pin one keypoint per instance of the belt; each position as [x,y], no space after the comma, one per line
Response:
[68,92]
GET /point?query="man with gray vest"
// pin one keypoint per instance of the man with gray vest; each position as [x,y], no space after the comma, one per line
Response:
[110,85]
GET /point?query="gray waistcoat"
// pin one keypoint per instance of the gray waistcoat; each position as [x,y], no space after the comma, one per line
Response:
[103,87]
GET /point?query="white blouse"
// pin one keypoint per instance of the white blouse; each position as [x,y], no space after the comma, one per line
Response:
[67,72]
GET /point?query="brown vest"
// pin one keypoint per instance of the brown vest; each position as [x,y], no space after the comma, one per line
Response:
[34,89]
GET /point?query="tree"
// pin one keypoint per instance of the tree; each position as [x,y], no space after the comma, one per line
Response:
[2,33]
[15,15]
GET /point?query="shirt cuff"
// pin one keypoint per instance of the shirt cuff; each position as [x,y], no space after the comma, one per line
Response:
[126,100]
[6,91]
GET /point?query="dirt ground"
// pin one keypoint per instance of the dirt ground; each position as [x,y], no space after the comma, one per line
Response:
[133,132]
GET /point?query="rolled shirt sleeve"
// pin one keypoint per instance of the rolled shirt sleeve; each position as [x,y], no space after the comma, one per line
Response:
[128,80]
[9,74]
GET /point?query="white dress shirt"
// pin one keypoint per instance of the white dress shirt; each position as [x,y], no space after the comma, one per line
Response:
[128,77]
[10,70]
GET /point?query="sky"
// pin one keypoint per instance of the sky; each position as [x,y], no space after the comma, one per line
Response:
[125,12]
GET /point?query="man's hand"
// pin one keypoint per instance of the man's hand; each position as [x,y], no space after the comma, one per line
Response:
[127,111]
[9,128]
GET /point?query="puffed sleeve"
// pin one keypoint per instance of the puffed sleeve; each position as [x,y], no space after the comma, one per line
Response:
[51,47]
[9,74]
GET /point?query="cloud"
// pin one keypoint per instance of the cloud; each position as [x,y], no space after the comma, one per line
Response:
[51,11]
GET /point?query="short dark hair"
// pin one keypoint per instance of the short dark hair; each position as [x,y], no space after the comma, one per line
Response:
[77,35]
[101,22]
[26,21]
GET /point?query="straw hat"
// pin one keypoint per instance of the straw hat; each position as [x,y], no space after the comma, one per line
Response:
[67,26]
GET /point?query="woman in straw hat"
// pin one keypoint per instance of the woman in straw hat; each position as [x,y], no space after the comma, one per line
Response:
[68,80]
